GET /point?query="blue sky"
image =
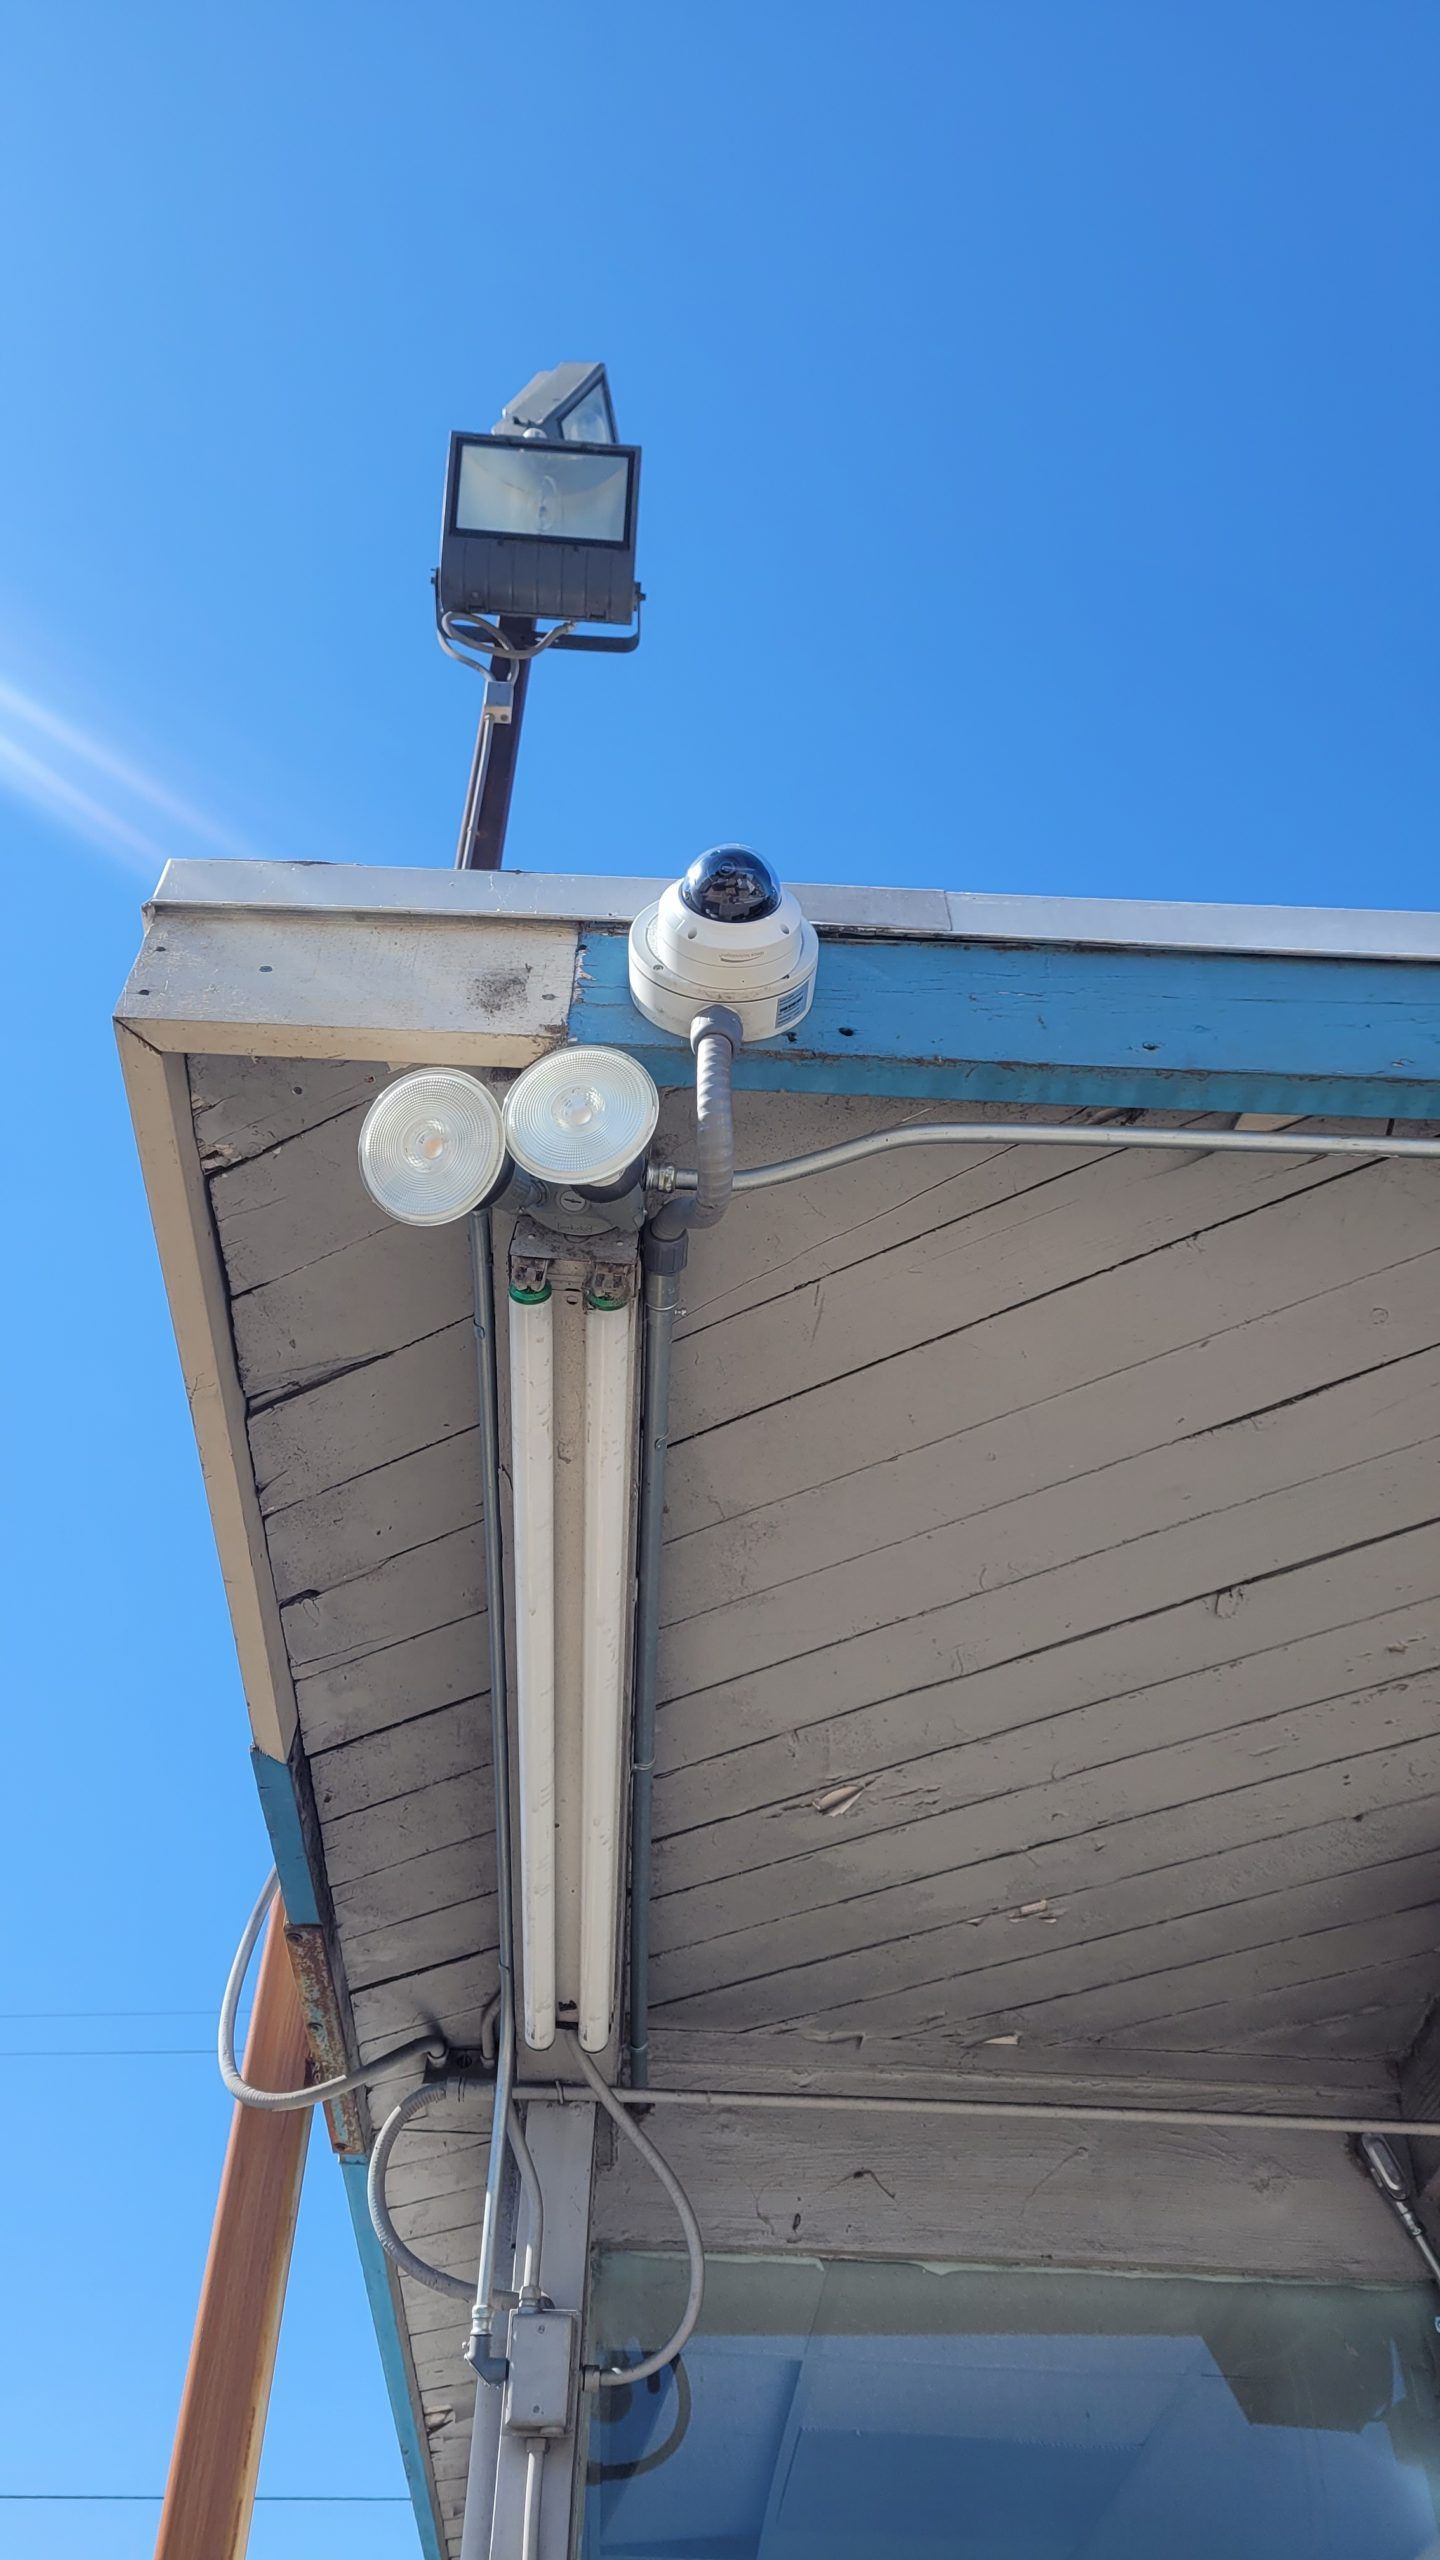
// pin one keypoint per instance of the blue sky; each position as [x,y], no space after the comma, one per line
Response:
[1040,413]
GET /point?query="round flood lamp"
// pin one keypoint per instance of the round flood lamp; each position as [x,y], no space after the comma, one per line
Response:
[432,1147]
[581,1116]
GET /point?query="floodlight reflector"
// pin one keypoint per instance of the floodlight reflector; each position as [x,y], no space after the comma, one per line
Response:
[583,1116]
[432,1147]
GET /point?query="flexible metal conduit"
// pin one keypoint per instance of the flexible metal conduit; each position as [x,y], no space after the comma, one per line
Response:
[1061,2110]
[456,2084]
[599,2377]
[315,2092]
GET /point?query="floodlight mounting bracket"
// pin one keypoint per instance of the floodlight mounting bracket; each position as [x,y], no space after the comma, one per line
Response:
[474,630]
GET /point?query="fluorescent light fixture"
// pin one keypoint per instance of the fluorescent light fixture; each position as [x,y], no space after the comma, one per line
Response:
[582,1116]
[532,1407]
[609,1369]
[432,1147]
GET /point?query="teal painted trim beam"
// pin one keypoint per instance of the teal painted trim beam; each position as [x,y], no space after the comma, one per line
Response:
[276,1790]
[1129,1030]
[378,2289]
[287,1844]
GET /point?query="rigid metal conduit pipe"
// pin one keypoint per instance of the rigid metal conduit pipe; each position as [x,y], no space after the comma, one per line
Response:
[478,2351]
[1060,2110]
[715,1036]
[1006,1133]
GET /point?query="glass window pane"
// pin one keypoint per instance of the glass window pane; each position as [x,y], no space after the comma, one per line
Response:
[870,2412]
[543,489]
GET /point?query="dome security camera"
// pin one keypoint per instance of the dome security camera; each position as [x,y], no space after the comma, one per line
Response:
[729,934]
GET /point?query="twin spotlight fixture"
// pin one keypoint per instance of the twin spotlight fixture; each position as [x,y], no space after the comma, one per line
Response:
[438,1143]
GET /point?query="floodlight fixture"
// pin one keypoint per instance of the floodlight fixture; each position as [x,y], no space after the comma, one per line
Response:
[568,402]
[432,1147]
[539,527]
[582,1117]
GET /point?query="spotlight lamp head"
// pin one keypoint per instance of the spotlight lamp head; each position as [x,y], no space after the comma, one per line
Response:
[432,1147]
[727,933]
[540,515]
[584,1118]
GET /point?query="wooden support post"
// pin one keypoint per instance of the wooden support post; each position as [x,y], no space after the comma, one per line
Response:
[211,2489]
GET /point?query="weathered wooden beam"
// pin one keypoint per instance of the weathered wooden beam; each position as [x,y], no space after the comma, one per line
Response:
[218,2436]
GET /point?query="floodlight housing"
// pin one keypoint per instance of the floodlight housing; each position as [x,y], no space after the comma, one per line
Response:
[432,1147]
[582,1117]
[568,401]
[539,527]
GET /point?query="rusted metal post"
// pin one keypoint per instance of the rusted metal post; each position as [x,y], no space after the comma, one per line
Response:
[211,2489]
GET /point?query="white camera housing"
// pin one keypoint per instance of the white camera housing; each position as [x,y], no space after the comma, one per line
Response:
[753,950]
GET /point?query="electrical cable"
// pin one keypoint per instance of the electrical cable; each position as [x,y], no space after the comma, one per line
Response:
[596,2473]
[485,635]
[456,2084]
[600,2377]
[317,2092]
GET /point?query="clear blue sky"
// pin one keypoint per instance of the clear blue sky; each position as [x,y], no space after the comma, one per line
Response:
[1040,420]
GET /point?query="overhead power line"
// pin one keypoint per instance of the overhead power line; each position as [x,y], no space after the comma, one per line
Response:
[156,2498]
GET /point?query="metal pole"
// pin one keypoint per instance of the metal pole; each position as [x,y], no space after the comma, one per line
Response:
[218,2435]
[492,768]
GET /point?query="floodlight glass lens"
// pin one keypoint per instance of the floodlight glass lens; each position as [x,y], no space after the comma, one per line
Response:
[590,421]
[581,1115]
[432,1146]
[543,489]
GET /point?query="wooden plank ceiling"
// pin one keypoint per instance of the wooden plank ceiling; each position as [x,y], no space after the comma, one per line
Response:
[1050,1669]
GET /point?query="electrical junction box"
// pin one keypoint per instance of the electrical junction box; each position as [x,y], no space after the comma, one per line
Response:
[544,2355]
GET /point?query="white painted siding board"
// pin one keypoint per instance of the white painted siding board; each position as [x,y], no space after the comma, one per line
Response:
[328,1435]
[360,1303]
[995,1759]
[409,1677]
[437,1879]
[1208,1559]
[454,1808]
[449,1996]
[1132,1504]
[1394,1918]
[1029,1240]
[941,2062]
[425,1938]
[1027,1847]
[1277,1641]
[783,1239]
[1035,1943]
[335,1536]
[372,1772]
[986,1364]
[1068,2195]
[432,1586]
[1378,2008]
[244,1105]
[1163,1402]
[298,1202]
